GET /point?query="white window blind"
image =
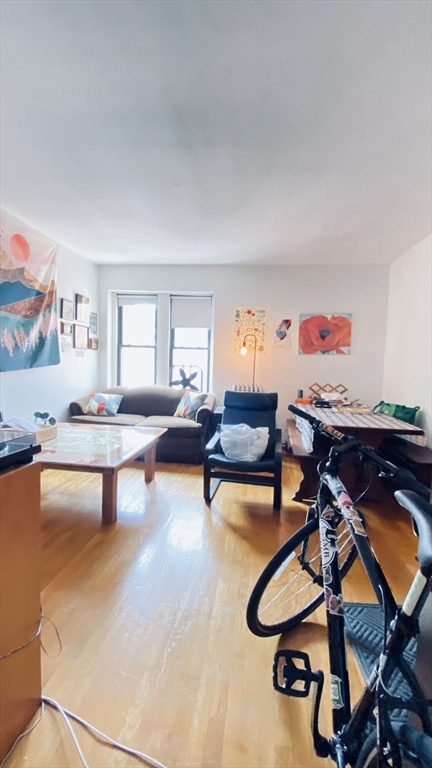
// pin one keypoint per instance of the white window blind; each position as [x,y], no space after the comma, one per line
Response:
[127,300]
[191,311]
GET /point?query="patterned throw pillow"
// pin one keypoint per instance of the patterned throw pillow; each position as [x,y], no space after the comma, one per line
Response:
[189,404]
[103,404]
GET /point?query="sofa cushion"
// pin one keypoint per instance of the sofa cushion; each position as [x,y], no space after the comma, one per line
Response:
[176,426]
[120,420]
[149,401]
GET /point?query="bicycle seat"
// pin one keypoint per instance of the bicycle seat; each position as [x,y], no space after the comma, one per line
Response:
[421,511]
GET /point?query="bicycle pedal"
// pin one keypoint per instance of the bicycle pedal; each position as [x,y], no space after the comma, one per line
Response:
[293,679]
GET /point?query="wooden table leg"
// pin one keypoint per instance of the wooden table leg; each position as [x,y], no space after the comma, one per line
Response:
[309,482]
[150,464]
[109,498]
[372,438]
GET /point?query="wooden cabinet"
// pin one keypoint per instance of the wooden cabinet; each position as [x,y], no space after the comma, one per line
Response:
[20,672]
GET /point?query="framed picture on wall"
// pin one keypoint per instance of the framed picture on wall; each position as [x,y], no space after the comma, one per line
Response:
[66,329]
[81,336]
[67,309]
[66,343]
[93,343]
[93,322]
[82,309]
[326,334]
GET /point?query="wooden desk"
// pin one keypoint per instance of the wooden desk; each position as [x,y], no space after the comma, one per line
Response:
[20,672]
[370,429]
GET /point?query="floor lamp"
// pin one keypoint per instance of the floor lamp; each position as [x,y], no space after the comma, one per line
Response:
[244,351]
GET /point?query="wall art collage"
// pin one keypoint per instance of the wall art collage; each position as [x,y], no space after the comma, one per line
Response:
[318,334]
[77,323]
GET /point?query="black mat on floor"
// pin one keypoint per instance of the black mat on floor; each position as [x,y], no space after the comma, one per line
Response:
[364,627]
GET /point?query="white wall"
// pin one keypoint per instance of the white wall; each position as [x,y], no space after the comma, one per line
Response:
[286,292]
[408,363]
[52,388]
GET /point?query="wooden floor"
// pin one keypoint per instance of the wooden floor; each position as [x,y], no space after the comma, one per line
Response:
[151,614]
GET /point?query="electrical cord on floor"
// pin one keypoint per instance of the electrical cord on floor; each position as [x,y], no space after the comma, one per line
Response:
[53,703]
[66,714]
[103,736]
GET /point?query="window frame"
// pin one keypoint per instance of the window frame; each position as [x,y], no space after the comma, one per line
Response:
[164,342]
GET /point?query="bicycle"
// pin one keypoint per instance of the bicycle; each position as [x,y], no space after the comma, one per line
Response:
[365,736]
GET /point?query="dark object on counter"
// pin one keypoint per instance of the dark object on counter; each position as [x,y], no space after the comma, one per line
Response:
[17,450]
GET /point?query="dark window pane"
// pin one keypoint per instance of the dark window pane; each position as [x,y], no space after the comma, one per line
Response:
[137,366]
[139,324]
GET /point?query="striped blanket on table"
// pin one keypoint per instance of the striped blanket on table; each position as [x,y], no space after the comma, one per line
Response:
[340,419]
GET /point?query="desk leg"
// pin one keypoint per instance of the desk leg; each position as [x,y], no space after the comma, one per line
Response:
[308,486]
[109,498]
[372,438]
[150,464]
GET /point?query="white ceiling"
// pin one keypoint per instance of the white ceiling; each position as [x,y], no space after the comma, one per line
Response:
[220,131]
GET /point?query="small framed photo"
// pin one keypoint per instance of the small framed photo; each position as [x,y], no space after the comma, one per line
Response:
[93,322]
[67,310]
[82,309]
[93,343]
[81,336]
[66,343]
[66,329]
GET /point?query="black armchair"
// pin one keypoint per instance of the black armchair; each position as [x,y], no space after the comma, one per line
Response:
[257,409]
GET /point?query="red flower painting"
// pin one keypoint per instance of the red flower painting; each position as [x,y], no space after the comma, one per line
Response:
[325,334]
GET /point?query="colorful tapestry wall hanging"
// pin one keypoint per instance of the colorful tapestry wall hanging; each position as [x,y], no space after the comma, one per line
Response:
[252,321]
[28,299]
[325,334]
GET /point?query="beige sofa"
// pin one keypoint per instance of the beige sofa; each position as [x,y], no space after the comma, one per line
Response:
[154,406]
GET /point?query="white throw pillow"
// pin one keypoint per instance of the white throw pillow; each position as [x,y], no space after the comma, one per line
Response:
[240,442]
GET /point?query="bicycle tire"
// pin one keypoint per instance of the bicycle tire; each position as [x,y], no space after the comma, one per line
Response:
[416,749]
[311,592]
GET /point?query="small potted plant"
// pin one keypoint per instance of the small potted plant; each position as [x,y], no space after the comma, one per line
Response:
[44,419]
[46,424]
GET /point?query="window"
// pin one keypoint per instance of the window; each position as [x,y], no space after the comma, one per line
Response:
[190,339]
[136,363]
[160,333]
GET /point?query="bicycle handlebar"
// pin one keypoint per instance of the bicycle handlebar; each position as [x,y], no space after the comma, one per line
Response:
[404,478]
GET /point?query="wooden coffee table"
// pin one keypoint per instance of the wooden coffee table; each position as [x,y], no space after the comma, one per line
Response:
[102,449]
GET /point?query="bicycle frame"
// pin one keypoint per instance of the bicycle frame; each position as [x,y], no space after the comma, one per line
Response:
[349,728]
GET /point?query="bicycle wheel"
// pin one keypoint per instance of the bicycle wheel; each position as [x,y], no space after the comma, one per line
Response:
[416,748]
[291,586]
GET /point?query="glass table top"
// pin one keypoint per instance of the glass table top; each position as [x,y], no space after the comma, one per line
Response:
[97,445]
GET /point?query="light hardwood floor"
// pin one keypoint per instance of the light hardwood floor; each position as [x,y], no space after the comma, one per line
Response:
[151,614]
